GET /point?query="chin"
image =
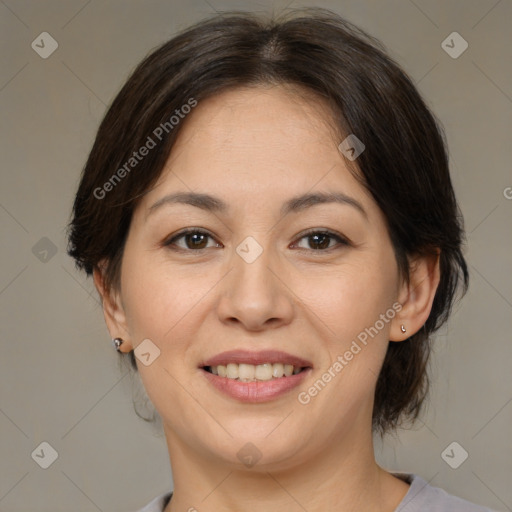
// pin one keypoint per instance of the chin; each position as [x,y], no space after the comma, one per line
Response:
[261,452]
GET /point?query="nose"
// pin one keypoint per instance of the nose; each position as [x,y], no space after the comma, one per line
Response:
[255,295]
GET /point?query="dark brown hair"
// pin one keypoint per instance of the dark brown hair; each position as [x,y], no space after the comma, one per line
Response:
[404,165]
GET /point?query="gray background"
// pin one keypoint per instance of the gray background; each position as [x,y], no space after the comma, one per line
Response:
[60,380]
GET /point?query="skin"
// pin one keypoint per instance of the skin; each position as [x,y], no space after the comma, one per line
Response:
[255,148]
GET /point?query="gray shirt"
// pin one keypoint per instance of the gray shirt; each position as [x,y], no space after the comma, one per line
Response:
[421,497]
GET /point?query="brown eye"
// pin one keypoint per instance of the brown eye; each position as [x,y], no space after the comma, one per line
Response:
[322,240]
[194,239]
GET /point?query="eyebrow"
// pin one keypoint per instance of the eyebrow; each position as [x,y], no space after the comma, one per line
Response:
[295,204]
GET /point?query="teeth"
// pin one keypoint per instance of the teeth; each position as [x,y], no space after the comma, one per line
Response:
[249,372]
[246,372]
[263,372]
[232,371]
[277,370]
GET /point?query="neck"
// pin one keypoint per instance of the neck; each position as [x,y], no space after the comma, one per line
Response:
[344,477]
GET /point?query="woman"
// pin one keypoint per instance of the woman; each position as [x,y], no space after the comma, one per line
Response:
[268,215]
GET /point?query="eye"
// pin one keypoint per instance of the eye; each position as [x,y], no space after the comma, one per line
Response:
[320,240]
[197,239]
[194,239]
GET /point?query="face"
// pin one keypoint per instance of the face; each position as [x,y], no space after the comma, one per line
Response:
[262,272]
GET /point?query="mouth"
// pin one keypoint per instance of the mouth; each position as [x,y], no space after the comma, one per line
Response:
[255,376]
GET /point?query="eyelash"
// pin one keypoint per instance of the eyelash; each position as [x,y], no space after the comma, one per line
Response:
[340,239]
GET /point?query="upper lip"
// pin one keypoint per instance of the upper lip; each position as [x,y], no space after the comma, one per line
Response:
[255,358]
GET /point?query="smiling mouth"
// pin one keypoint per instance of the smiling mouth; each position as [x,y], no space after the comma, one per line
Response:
[250,379]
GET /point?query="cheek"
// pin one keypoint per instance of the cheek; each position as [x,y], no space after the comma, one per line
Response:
[350,299]
[164,309]
[352,305]
[160,301]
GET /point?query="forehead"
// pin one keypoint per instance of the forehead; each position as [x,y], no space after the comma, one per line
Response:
[266,141]
[253,119]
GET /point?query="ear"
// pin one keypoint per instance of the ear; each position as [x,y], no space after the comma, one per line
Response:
[113,310]
[417,296]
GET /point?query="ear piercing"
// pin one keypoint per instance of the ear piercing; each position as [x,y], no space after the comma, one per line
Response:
[117,342]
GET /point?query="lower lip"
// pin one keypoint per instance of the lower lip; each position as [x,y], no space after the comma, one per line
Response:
[256,391]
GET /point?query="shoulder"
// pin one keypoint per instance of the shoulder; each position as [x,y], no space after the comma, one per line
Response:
[158,504]
[422,496]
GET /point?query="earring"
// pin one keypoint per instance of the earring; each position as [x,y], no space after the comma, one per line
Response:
[117,342]
[402,328]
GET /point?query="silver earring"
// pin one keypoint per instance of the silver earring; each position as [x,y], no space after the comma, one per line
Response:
[117,342]
[402,328]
